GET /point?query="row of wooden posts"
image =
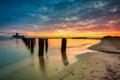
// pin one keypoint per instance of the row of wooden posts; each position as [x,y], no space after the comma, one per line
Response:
[43,44]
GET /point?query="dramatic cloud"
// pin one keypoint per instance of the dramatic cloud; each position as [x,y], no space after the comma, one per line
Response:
[56,15]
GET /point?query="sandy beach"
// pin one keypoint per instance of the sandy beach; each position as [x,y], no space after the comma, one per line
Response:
[103,64]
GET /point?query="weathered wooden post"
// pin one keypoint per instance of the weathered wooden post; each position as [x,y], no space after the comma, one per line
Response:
[32,46]
[28,42]
[41,47]
[34,40]
[46,45]
[63,46]
[63,52]
[25,40]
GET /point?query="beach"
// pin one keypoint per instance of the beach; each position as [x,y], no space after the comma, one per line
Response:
[103,64]
[84,59]
[60,40]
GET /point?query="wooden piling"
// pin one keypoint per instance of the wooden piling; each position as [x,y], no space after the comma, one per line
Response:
[41,47]
[46,45]
[63,46]
[32,46]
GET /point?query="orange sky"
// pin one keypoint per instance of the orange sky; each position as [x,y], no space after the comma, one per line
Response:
[63,34]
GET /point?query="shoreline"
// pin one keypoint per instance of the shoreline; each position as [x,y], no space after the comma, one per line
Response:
[100,65]
[90,66]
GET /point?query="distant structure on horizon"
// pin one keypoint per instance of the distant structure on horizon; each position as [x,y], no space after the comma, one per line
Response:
[18,36]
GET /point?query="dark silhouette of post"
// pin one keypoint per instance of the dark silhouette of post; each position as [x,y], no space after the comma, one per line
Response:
[34,40]
[25,40]
[63,46]
[28,42]
[46,45]
[32,46]
[63,52]
[41,47]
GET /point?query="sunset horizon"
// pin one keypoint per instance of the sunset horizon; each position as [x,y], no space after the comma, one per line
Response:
[73,17]
[59,39]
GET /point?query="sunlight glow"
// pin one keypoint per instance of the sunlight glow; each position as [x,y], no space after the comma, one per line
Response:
[64,34]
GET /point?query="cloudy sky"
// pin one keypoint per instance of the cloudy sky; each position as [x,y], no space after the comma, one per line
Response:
[59,16]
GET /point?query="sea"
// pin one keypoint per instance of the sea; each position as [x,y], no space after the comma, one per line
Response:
[28,60]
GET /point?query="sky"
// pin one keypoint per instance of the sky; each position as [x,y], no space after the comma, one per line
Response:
[60,17]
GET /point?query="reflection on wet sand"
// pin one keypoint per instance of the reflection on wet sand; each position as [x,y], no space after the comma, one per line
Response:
[30,43]
[41,59]
[42,67]
[42,62]
[63,52]
[17,41]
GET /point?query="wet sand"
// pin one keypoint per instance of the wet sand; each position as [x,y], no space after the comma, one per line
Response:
[103,64]
[92,66]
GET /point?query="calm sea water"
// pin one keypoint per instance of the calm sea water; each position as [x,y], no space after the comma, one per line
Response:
[19,62]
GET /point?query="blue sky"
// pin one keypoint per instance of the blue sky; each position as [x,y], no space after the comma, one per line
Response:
[54,15]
